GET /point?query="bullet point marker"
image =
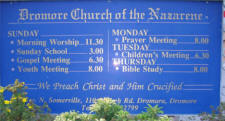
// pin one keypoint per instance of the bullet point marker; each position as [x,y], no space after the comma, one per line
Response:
[11,42]
[116,54]
[12,59]
[12,51]
[117,68]
[115,63]
[12,69]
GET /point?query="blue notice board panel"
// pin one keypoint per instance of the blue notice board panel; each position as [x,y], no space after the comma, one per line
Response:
[136,52]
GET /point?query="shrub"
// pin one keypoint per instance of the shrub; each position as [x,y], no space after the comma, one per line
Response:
[73,116]
[152,114]
[67,116]
[217,114]
[85,117]
[105,108]
[122,116]
[19,107]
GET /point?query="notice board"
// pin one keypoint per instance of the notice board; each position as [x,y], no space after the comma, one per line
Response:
[69,54]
